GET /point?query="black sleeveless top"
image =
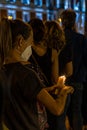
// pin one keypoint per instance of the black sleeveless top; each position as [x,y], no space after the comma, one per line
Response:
[44,62]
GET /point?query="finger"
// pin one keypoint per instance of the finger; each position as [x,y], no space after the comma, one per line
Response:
[69,90]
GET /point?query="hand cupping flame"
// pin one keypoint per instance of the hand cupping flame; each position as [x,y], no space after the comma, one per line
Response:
[62,86]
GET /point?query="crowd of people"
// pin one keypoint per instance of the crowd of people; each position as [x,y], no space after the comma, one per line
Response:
[43,74]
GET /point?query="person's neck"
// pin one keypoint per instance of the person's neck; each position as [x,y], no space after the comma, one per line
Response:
[40,50]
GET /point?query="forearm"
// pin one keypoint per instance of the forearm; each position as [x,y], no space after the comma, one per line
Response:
[61,101]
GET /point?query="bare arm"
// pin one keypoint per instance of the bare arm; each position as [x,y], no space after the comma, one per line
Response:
[68,69]
[55,71]
[55,106]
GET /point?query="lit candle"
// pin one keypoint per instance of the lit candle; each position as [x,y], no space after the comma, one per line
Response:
[61,81]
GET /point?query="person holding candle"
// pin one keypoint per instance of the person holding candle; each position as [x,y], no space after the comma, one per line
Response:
[48,42]
[24,88]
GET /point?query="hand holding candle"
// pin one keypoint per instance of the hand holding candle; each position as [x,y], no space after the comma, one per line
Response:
[62,86]
[60,83]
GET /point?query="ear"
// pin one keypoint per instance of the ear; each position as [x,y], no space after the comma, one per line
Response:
[20,40]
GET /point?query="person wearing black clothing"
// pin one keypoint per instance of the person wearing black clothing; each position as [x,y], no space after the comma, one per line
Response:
[43,55]
[84,104]
[41,61]
[26,95]
[78,43]
[65,68]
[2,82]
[46,57]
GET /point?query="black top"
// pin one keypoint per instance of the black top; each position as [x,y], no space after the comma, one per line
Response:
[20,105]
[44,62]
[2,85]
[65,57]
[78,43]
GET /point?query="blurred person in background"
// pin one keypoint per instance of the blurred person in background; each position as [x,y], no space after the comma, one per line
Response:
[55,39]
[48,42]
[1,97]
[78,43]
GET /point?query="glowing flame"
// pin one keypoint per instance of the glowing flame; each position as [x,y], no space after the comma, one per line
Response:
[10,17]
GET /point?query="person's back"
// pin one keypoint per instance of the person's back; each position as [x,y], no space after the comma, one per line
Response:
[84,104]
[78,44]
[20,101]
[2,85]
